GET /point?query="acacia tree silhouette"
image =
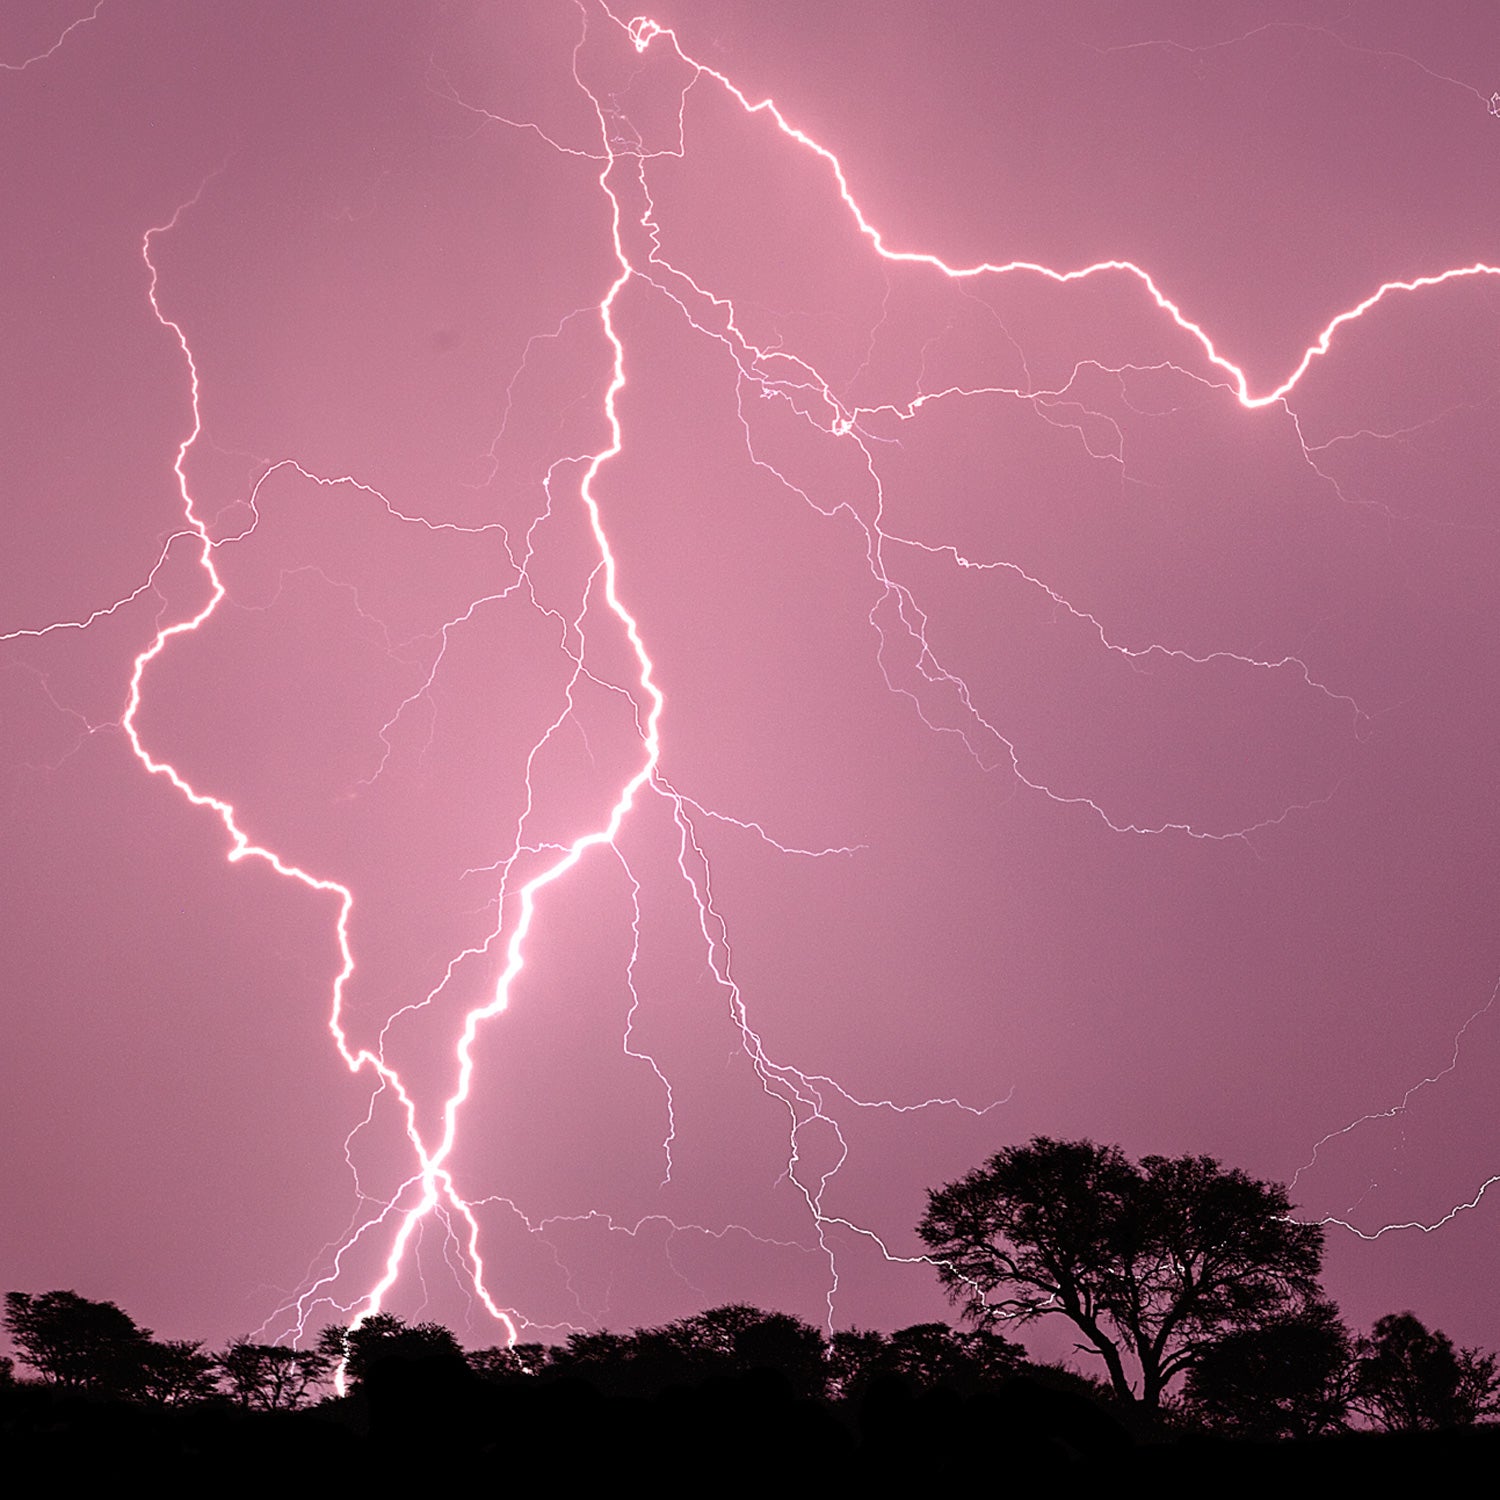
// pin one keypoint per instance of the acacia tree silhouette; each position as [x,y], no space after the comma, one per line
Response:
[1411,1379]
[383,1338]
[925,1356]
[1152,1262]
[272,1377]
[78,1344]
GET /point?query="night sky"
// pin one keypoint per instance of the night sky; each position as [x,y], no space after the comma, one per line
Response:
[1049,741]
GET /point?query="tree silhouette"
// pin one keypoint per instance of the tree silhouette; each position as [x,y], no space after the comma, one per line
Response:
[1410,1379]
[272,1377]
[925,1356]
[604,1359]
[1291,1377]
[739,1338]
[723,1341]
[518,1362]
[77,1344]
[176,1372]
[384,1337]
[1152,1262]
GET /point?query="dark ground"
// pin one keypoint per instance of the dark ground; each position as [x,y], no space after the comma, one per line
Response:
[751,1428]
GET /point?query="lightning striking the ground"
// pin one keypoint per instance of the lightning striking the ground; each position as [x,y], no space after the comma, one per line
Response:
[612,804]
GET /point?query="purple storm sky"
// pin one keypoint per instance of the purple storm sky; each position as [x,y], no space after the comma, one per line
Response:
[1043,728]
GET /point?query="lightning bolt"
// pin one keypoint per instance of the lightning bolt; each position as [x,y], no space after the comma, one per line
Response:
[56,46]
[913,666]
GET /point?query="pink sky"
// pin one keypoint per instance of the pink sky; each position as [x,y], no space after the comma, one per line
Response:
[1043,728]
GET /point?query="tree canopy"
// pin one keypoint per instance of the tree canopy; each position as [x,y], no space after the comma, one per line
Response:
[1152,1262]
[1290,1377]
[1409,1378]
[722,1341]
[272,1377]
[75,1343]
[384,1337]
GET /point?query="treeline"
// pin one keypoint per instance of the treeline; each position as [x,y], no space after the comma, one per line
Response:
[69,1343]
[1195,1286]
[1300,1375]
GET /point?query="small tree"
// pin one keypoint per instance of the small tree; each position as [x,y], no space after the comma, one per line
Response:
[1291,1377]
[516,1362]
[604,1359]
[1152,1262]
[730,1340]
[1410,1379]
[740,1338]
[272,1377]
[77,1344]
[176,1372]
[384,1336]
[925,1356]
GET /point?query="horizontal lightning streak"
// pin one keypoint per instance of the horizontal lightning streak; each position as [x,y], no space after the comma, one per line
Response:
[645,32]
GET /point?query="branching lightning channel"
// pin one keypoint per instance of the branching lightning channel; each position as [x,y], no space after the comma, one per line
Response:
[842,422]
[645,33]
[808,1100]
[241,844]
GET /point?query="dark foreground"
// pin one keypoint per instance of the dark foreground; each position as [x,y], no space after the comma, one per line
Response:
[749,1428]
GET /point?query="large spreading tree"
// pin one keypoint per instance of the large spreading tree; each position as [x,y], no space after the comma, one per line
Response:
[1152,1261]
